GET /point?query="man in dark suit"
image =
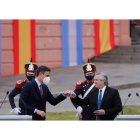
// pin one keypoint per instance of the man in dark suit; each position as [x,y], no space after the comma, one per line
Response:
[35,94]
[104,101]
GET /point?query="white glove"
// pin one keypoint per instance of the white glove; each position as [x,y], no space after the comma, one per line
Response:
[16,111]
[79,112]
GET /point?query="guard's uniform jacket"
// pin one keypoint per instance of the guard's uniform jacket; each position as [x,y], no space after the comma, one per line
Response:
[80,89]
[16,91]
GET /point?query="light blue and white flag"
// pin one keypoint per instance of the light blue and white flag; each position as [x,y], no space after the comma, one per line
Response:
[72,46]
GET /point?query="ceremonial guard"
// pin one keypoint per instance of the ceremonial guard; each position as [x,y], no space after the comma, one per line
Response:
[30,71]
[84,88]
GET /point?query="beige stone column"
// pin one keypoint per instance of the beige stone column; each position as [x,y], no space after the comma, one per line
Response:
[125,39]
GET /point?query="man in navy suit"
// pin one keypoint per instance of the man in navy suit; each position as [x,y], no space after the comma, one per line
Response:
[104,101]
[35,94]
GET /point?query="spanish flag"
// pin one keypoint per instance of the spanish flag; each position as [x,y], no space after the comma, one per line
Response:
[24,44]
[104,36]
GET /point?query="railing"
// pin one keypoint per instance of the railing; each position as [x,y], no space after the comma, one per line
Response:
[15,117]
[127,117]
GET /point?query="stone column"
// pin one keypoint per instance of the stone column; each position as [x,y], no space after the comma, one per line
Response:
[125,39]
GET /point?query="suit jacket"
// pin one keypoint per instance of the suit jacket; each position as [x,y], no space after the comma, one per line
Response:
[111,103]
[31,99]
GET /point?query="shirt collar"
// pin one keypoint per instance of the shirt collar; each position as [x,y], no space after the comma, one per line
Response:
[103,89]
[38,82]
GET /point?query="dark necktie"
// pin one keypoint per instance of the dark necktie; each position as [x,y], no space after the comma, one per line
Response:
[41,90]
[99,102]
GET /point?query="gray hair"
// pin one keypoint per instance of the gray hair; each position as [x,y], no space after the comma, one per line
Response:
[104,77]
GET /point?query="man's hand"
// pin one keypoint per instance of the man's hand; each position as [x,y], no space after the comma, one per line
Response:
[99,112]
[16,111]
[70,93]
[41,113]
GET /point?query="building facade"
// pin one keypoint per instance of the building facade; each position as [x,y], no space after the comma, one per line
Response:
[56,43]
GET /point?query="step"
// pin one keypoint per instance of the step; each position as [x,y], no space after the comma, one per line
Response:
[120,55]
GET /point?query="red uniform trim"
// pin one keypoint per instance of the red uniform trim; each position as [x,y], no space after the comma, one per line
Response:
[20,83]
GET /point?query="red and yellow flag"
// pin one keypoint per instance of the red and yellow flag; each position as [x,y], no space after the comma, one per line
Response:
[24,44]
[104,36]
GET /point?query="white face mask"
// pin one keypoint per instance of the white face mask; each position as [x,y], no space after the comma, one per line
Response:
[46,80]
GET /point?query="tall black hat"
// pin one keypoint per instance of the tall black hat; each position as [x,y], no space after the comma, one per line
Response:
[30,67]
[89,67]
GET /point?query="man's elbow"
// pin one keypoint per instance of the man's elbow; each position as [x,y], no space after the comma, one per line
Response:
[53,103]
